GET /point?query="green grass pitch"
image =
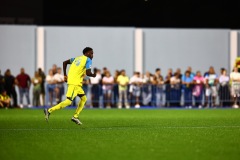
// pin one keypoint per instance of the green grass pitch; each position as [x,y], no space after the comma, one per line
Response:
[143,134]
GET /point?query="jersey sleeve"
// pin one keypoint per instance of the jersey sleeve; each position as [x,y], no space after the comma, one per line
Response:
[71,60]
[88,63]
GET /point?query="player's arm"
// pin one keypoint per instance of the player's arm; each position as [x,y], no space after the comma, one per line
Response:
[88,69]
[90,74]
[65,63]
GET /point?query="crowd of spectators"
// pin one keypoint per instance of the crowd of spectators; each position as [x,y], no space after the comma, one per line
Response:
[188,89]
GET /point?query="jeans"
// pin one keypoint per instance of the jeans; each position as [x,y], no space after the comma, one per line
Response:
[23,91]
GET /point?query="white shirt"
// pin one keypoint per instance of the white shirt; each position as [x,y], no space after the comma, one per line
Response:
[96,80]
[58,77]
[50,79]
[235,76]
[136,79]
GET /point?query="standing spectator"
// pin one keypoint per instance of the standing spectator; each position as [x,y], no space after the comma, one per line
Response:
[175,93]
[96,88]
[211,87]
[10,82]
[115,89]
[224,92]
[198,82]
[107,82]
[36,80]
[59,86]
[235,78]
[42,95]
[54,69]
[192,74]
[1,82]
[50,87]
[123,86]
[187,83]
[5,100]
[24,83]
[168,86]
[135,89]
[147,88]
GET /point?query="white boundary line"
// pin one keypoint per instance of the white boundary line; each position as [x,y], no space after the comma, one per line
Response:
[117,128]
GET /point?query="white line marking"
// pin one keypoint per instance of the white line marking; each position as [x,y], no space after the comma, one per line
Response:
[116,127]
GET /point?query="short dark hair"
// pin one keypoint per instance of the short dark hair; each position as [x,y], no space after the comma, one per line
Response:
[87,49]
[157,69]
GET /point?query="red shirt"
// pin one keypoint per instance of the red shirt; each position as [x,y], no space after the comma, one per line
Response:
[23,80]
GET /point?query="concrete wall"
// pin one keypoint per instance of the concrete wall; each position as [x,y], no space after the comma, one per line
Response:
[113,47]
[180,48]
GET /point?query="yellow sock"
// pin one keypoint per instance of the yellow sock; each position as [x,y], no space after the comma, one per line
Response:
[80,106]
[61,105]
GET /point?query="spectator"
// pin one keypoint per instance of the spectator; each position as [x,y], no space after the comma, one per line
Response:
[157,88]
[1,82]
[175,93]
[192,74]
[211,87]
[123,81]
[168,86]
[135,89]
[50,86]
[96,88]
[42,95]
[198,82]
[146,88]
[24,83]
[235,78]
[10,82]
[187,83]
[36,80]
[107,82]
[5,100]
[59,85]
[224,92]
[115,89]
[54,69]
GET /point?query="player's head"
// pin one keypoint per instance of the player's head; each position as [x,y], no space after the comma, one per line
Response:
[88,52]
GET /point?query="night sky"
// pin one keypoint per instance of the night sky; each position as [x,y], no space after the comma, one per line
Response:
[134,13]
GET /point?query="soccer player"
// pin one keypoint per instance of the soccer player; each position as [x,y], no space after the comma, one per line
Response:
[79,67]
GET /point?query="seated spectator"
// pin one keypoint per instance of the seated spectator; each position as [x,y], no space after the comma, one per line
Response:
[107,87]
[5,100]
[36,81]
[135,88]
[59,86]
[235,78]
[50,86]
[224,92]
[198,82]
[187,84]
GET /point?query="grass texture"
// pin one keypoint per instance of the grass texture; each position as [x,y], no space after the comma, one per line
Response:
[114,134]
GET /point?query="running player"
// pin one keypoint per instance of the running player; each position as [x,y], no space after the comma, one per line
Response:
[79,67]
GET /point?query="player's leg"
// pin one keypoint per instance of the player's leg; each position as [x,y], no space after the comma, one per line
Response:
[81,104]
[71,94]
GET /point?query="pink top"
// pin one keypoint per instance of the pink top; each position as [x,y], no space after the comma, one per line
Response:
[199,80]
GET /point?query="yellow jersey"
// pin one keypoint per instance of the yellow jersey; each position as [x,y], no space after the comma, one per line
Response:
[78,68]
